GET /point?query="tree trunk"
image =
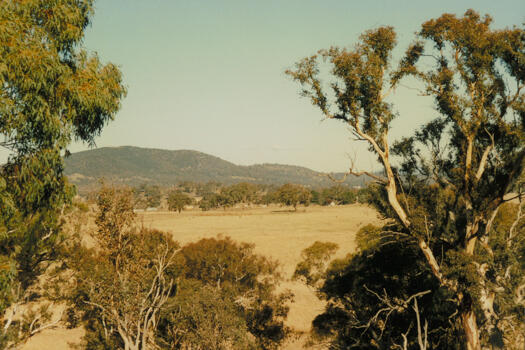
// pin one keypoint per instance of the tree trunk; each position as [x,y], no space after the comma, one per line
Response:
[468,317]
[470,326]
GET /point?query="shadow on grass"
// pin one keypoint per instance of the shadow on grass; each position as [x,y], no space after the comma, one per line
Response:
[287,211]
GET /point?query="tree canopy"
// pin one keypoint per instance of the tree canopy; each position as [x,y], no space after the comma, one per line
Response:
[290,194]
[457,170]
[51,93]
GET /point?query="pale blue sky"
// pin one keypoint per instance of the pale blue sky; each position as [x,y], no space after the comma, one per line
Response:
[209,75]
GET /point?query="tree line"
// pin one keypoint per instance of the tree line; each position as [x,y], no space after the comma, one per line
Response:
[214,195]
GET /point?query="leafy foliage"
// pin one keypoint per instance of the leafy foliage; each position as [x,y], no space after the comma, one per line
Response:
[290,194]
[314,261]
[457,171]
[227,299]
[338,194]
[178,200]
[124,282]
[367,295]
[51,92]
[147,196]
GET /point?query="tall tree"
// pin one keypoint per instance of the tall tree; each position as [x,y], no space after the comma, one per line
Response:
[459,168]
[51,93]
[125,281]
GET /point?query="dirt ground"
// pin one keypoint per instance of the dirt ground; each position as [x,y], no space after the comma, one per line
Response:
[276,233]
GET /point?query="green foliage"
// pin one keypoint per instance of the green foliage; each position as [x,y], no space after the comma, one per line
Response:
[363,195]
[368,237]
[314,262]
[367,306]
[147,196]
[455,173]
[178,200]
[227,299]
[338,194]
[202,318]
[210,201]
[367,293]
[124,282]
[290,194]
[51,93]
[239,193]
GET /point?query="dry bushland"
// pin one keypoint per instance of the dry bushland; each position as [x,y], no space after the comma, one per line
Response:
[277,233]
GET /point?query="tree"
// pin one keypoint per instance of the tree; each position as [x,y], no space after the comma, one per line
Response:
[369,295]
[125,281]
[178,200]
[51,92]
[243,192]
[147,196]
[290,194]
[314,262]
[458,169]
[227,299]
[338,194]
[210,201]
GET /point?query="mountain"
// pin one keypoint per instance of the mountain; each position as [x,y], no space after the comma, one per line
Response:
[133,166]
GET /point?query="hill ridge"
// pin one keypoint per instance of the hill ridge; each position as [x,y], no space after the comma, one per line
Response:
[132,165]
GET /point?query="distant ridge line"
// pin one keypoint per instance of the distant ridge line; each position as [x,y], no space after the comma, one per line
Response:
[131,165]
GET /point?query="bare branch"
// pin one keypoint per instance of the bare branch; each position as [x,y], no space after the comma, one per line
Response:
[519,216]
[484,157]
[41,328]
[391,305]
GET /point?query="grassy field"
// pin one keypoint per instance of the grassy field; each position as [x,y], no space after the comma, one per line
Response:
[276,233]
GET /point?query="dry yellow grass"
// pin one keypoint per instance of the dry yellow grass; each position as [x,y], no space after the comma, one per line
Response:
[276,232]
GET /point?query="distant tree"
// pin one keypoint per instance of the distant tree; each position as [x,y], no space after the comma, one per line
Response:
[364,195]
[210,201]
[187,186]
[457,170]
[293,195]
[147,196]
[51,92]
[244,192]
[316,197]
[139,198]
[178,200]
[225,199]
[209,187]
[338,194]
[269,197]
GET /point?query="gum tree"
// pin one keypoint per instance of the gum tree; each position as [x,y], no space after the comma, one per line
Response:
[458,169]
[51,93]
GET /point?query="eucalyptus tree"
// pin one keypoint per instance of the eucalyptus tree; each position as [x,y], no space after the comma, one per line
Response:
[292,195]
[457,170]
[51,93]
[178,200]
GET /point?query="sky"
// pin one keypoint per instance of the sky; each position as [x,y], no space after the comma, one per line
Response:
[208,75]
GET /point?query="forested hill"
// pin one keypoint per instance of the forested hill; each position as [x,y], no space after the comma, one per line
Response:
[133,166]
